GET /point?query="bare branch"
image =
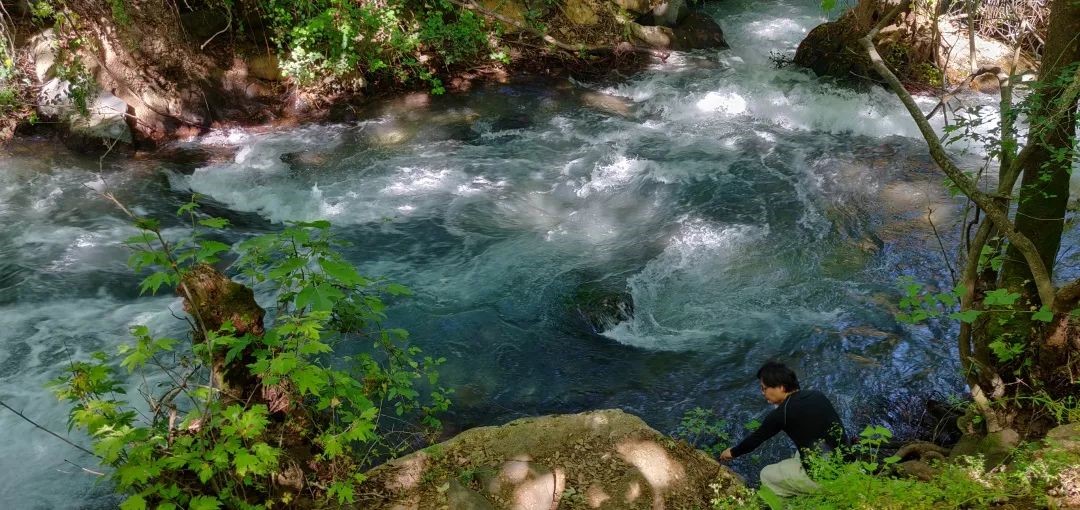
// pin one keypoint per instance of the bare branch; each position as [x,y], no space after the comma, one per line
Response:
[54,434]
[222,31]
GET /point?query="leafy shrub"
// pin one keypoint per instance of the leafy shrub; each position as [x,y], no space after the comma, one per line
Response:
[305,428]
[394,39]
[704,430]
[858,478]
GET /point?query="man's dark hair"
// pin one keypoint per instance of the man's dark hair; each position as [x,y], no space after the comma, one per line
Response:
[775,374]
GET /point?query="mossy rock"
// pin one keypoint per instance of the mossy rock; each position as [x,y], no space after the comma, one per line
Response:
[833,48]
[993,447]
[597,459]
[1065,437]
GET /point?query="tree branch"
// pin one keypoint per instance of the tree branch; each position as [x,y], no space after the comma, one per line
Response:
[54,434]
[1067,297]
[966,185]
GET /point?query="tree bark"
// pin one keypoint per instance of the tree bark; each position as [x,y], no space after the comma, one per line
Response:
[1044,187]
[1039,271]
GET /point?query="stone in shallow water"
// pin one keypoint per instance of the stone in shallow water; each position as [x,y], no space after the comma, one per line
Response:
[601,307]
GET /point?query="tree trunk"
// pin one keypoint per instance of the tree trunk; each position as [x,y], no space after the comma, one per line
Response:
[1040,216]
[1044,188]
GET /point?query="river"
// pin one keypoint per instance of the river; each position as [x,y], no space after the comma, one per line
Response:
[750,212]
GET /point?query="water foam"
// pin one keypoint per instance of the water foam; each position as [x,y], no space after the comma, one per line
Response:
[672,292]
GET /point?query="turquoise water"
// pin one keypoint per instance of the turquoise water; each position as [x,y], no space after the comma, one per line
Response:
[749,212]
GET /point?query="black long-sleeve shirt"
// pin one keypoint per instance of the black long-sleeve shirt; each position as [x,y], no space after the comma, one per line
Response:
[807,417]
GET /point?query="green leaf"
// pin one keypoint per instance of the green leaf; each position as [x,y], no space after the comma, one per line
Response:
[205,472]
[186,208]
[319,297]
[342,490]
[396,289]
[148,224]
[214,222]
[253,421]
[246,463]
[288,266]
[319,224]
[1001,297]
[204,503]
[134,502]
[145,238]
[208,249]
[267,454]
[966,316]
[1043,315]
[165,505]
[309,379]
[342,272]
[283,364]
[154,282]
[770,498]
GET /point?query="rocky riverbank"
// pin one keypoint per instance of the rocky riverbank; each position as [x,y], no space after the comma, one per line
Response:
[153,73]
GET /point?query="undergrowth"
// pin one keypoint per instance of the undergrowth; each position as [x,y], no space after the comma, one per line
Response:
[238,417]
[859,477]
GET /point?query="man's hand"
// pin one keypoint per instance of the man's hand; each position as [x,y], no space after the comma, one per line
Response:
[725,455]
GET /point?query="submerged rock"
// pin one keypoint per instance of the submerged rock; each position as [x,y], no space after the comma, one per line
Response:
[598,459]
[697,30]
[600,307]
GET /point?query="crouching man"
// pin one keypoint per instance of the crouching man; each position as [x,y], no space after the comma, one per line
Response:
[807,417]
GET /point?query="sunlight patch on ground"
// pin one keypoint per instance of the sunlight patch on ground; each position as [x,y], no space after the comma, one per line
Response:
[654,463]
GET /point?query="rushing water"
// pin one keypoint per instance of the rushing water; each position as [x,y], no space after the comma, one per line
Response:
[750,213]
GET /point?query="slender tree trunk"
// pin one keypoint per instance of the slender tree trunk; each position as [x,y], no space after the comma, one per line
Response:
[1044,188]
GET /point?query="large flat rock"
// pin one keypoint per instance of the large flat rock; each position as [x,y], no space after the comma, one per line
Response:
[599,459]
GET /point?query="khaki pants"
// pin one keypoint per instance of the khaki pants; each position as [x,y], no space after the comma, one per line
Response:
[787,478]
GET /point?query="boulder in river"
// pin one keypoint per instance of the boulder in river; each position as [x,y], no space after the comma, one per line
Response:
[601,307]
[833,48]
[598,459]
[696,31]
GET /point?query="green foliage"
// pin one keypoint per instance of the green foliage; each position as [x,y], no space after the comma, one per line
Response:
[400,40]
[962,483]
[928,73]
[200,445]
[120,12]
[727,497]
[871,482]
[456,41]
[704,430]
[69,63]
